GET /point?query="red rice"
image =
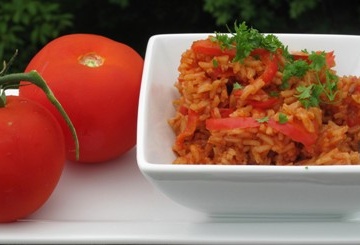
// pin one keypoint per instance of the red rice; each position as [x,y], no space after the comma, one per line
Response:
[207,94]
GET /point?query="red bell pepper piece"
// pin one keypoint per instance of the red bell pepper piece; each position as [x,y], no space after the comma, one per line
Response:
[264,104]
[208,47]
[189,129]
[270,61]
[258,104]
[296,131]
[231,123]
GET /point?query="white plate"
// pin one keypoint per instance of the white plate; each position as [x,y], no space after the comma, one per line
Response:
[114,203]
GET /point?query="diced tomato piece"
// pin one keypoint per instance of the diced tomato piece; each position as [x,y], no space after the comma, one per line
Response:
[270,61]
[265,104]
[300,55]
[189,129]
[231,123]
[208,47]
[225,112]
[270,70]
[258,104]
[237,92]
[296,131]
[330,59]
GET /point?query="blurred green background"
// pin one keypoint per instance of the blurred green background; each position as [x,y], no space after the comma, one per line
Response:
[27,25]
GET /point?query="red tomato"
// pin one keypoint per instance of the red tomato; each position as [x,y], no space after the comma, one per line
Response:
[97,81]
[264,104]
[208,47]
[270,61]
[32,157]
[225,112]
[231,123]
[296,131]
[189,129]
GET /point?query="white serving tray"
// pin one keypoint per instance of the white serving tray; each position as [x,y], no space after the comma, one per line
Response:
[114,203]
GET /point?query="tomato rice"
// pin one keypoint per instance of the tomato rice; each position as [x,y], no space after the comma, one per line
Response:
[260,123]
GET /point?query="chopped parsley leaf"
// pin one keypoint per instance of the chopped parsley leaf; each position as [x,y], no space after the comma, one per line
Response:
[274,94]
[263,119]
[283,118]
[298,68]
[237,86]
[310,95]
[215,63]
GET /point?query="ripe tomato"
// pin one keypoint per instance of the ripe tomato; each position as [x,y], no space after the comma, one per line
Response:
[97,81]
[32,157]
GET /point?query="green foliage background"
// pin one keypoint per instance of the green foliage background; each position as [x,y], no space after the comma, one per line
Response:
[27,25]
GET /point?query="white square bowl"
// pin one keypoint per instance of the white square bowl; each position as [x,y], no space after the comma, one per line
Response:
[244,191]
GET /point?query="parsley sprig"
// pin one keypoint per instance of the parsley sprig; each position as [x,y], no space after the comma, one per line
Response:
[245,39]
[310,95]
[296,68]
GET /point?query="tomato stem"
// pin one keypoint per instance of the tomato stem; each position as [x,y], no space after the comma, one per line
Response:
[35,78]
[2,98]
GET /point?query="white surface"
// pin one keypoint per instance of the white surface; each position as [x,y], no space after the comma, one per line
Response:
[114,203]
[321,191]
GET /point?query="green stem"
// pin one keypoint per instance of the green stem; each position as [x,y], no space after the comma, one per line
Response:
[35,78]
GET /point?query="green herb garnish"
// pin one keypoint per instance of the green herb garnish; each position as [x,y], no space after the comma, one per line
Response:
[263,119]
[245,39]
[237,86]
[310,95]
[215,63]
[274,94]
[297,68]
[283,118]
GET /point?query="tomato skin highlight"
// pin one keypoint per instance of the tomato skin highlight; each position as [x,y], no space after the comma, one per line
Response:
[100,101]
[32,157]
